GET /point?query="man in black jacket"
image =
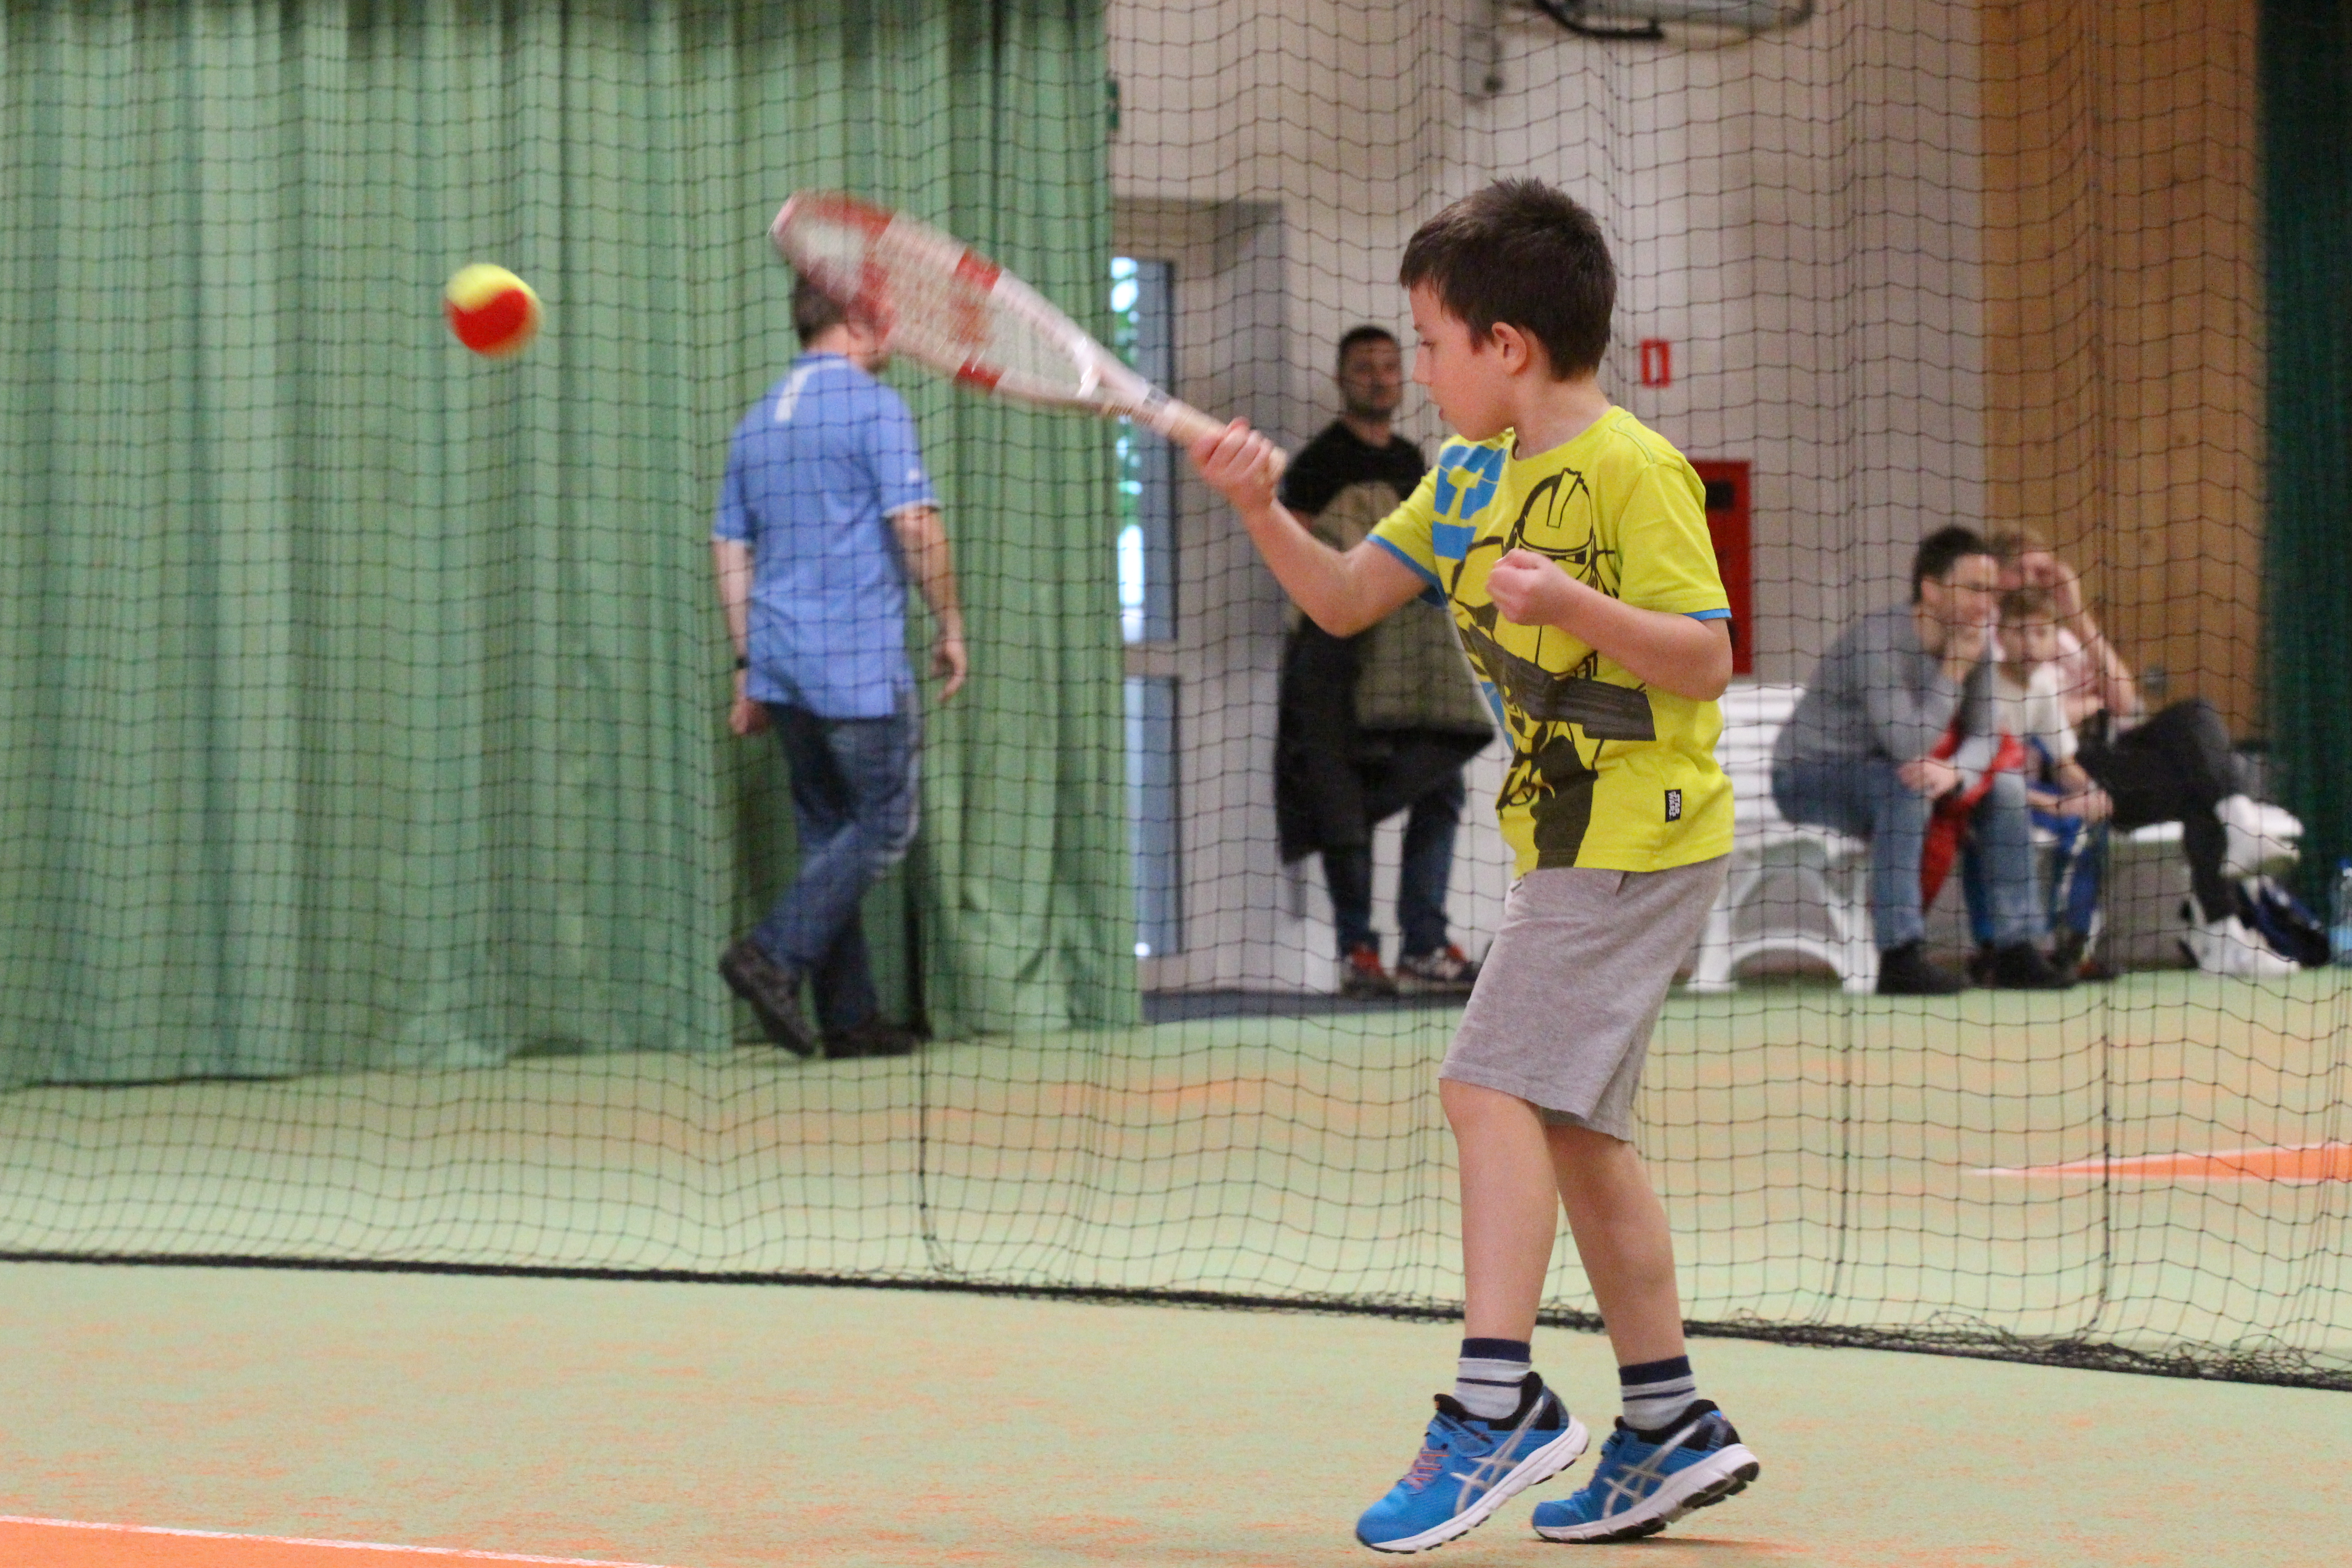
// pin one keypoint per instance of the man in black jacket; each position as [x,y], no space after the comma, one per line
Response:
[1380,722]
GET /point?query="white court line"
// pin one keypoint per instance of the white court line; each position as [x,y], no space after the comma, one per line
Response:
[464,1553]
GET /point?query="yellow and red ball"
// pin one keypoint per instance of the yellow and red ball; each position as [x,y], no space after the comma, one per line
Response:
[492,311]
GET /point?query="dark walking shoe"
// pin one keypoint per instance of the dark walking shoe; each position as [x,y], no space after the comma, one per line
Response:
[2020,966]
[1361,974]
[873,1038]
[2071,955]
[1905,971]
[774,992]
[1445,973]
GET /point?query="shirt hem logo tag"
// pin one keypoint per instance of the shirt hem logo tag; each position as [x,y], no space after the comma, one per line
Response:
[1674,805]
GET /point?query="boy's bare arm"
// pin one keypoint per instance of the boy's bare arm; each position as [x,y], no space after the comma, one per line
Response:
[1690,659]
[1343,594]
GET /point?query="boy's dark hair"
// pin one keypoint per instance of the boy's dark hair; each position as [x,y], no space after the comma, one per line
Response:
[813,310]
[2028,604]
[1522,253]
[1938,552]
[2018,539]
[1356,337]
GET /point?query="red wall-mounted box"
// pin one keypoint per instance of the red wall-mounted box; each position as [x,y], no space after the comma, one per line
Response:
[1727,521]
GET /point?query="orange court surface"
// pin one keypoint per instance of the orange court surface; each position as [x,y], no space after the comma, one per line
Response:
[2299,1164]
[79,1541]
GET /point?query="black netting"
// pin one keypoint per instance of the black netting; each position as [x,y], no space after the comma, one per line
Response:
[370,830]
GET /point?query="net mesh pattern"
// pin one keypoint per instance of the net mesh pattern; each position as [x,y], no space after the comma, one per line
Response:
[374,828]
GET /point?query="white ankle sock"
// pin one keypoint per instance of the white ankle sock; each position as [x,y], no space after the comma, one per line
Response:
[1656,1392]
[1489,1375]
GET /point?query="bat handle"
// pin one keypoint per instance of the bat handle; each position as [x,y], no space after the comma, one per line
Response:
[1183,424]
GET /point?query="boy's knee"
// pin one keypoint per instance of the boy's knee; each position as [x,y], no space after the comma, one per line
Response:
[2197,715]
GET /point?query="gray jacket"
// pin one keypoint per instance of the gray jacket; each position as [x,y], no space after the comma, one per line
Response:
[1877,693]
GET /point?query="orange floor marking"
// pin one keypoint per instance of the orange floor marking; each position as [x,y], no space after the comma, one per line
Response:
[78,1544]
[2296,1164]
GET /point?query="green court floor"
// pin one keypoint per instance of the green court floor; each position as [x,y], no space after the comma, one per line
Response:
[730,1427]
[1826,1160]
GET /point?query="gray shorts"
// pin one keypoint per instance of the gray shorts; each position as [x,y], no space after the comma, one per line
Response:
[1573,985]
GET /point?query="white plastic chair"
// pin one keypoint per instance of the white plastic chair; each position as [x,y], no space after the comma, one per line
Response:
[1819,911]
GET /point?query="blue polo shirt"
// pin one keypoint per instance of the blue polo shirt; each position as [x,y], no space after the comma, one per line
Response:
[816,471]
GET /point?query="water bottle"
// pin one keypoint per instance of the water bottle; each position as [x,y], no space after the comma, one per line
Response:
[2339,918]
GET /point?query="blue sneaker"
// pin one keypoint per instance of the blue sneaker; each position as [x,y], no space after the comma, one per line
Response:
[1642,1484]
[1469,1468]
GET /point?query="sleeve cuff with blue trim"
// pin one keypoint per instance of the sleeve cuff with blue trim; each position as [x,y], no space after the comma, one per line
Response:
[1434,594]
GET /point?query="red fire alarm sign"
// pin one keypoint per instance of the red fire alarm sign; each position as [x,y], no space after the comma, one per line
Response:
[1657,363]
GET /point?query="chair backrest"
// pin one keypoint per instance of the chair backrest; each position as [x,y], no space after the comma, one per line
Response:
[1753,712]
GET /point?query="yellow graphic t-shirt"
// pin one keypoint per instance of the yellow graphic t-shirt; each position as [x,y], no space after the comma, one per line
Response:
[1604,771]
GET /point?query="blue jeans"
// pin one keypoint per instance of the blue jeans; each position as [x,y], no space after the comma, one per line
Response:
[2077,862]
[1864,796]
[856,804]
[1425,870]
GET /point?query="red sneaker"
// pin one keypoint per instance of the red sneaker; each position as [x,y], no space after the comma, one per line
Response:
[1361,974]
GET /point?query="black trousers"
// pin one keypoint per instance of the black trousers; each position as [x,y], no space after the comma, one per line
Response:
[1334,782]
[2176,767]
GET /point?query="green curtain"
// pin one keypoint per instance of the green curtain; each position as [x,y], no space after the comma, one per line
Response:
[362,698]
[2306,63]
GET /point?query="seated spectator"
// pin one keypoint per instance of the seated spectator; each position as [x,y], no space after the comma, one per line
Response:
[2178,766]
[2067,803]
[1381,723]
[1860,756]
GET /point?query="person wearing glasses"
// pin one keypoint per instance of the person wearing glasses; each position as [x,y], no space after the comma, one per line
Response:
[1898,717]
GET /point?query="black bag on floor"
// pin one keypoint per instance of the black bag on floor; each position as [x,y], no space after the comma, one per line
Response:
[2291,931]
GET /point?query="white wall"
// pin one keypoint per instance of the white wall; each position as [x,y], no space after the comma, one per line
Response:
[1796,215]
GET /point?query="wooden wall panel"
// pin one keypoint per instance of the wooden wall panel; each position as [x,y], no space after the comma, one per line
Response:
[2123,316]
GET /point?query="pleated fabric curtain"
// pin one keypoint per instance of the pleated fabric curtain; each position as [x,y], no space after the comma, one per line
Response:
[2306,62]
[361,701]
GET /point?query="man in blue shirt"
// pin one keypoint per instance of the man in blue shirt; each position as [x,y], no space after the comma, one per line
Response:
[824,513]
